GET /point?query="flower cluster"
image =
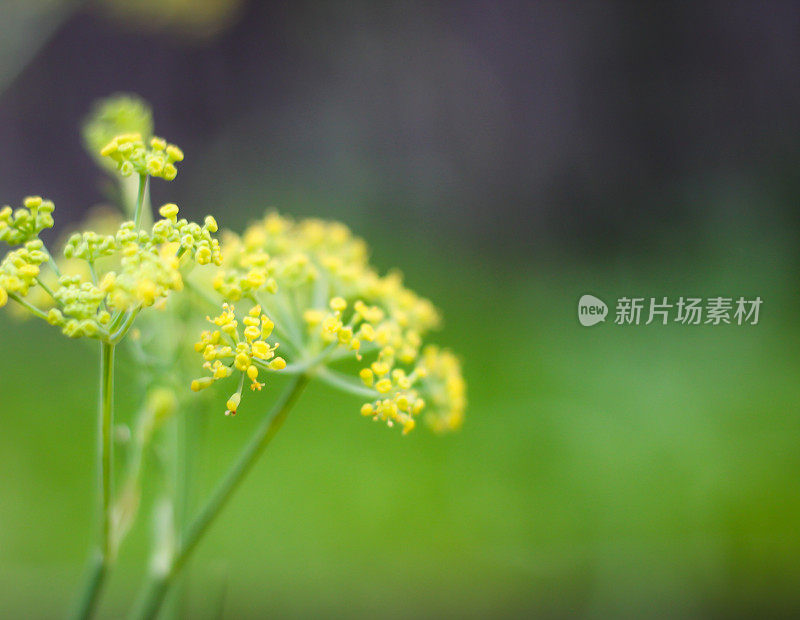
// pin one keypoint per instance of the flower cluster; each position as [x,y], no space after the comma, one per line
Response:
[131,155]
[147,274]
[330,306]
[78,308]
[90,246]
[191,237]
[446,388]
[19,269]
[128,270]
[224,350]
[24,224]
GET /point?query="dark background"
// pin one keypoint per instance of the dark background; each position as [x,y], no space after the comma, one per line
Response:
[591,126]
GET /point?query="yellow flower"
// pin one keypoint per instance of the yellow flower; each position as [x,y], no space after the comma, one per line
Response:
[329,304]
[131,154]
[225,350]
[24,224]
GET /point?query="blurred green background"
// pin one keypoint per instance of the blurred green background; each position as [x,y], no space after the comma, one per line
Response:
[604,472]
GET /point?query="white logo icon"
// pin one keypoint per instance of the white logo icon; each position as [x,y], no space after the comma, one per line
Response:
[591,310]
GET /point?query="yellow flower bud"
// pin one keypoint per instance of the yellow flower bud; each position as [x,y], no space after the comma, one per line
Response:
[199,384]
[345,334]
[211,224]
[169,211]
[338,304]
[252,332]
[278,363]
[233,402]
[203,256]
[32,202]
[384,385]
[174,153]
[367,377]
[242,361]
[261,350]
[54,317]
[380,368]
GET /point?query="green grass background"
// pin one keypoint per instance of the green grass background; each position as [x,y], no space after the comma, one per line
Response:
[605,472]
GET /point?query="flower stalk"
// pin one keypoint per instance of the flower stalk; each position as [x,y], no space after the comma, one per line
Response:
[137,217]
[163,576]
[102,557]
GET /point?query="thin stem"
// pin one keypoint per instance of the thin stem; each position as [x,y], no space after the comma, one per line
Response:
[284,334]
[46,288]
[343,382]
[292,327]
[154,592]
[106,445]
[302,366]
[102,557]
[120,333]
[28,305]
[137,217]
[51,261]
[93,272]
[345,353]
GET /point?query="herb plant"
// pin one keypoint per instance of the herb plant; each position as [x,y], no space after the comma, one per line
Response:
[286,297]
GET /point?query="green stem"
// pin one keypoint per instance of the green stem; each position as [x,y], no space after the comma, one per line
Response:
[281,323]
[28,305]
[93,272]
[342,382]
[159,583]
[46,288]
[123,329]
[51,261]
[137,217]
[102,557]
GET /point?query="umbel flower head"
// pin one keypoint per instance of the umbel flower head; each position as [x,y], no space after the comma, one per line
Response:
[25,224]
[226,350]
[336,318]
[132,155]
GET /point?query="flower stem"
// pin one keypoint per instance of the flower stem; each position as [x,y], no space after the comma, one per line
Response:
[119,334]
[45,288]
[137,217]
[52,262]
[338,380]
[33,309]
[159,583]
[101,558]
